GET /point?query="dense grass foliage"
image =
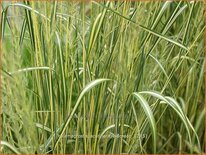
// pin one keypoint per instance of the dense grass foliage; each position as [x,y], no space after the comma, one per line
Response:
[102,77]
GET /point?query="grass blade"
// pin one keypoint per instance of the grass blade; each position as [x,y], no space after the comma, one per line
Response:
[84,91]
[150,117]
[30,69]
[175,106]
[10,146]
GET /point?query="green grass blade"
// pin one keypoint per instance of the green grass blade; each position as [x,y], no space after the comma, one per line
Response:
[27,8]
[10,147]
[30,69]
[150,117]
[87,88]
[174,105]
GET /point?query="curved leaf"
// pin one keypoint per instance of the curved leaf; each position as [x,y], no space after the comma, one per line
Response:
[150,117]
[84,91]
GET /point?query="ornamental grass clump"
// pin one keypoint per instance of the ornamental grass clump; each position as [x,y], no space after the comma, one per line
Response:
[102,77]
